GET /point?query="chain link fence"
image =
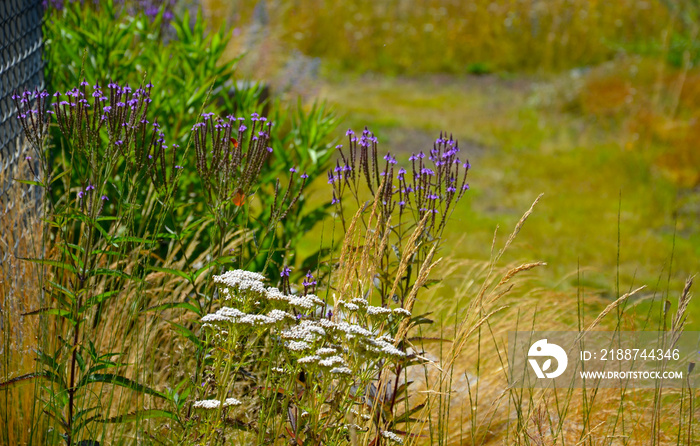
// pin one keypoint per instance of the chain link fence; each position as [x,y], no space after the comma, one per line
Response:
[21,68]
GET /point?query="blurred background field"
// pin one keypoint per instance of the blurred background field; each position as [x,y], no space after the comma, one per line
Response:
[595,104]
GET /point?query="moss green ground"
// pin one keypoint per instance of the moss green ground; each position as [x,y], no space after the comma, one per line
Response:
[519,147]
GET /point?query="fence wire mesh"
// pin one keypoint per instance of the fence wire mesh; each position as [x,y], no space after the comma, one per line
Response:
[21,68]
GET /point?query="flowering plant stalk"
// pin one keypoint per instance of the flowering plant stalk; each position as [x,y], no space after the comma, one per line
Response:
[114,163]
[295,366]
[230,157]
[422,196]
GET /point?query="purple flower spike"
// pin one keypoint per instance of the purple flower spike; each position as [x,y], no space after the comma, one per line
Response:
[285,271]
[465,187]
[104,197]
[309,280]
[178,167]
[292,170]
[28,158]
[90,187]
[304,175]
[119,142]
[269,149]
[349,132]
[242,128]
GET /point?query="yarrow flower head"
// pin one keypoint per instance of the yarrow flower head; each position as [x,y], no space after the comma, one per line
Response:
[301,337]
[215,404]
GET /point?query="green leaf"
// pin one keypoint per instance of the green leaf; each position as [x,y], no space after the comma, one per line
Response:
[168,305]
[63,290]
[97,300]
[118,381]
[131,239]
[55,311]
[428,339]
[33,183]
[186,332]
[47,360]
[421,319]
[175,272]
[406,417]
[45,374]
[59,176]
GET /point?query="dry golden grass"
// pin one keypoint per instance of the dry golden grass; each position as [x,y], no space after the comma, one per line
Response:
[473,374]
[470,387]
[20,292]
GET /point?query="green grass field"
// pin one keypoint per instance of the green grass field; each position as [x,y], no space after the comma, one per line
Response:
[521,144]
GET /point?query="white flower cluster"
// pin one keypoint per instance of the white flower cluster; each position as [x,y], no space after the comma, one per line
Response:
[311,331]
[306,302]
[377,311]
[235,316]
[402,311]
[214,404]
[349,306]
[331,361]
[352,330]
[360,301]
[308,359]
[241,280]
[307,331]
[392,436]
[298,346]
[325,351]
[383,347]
